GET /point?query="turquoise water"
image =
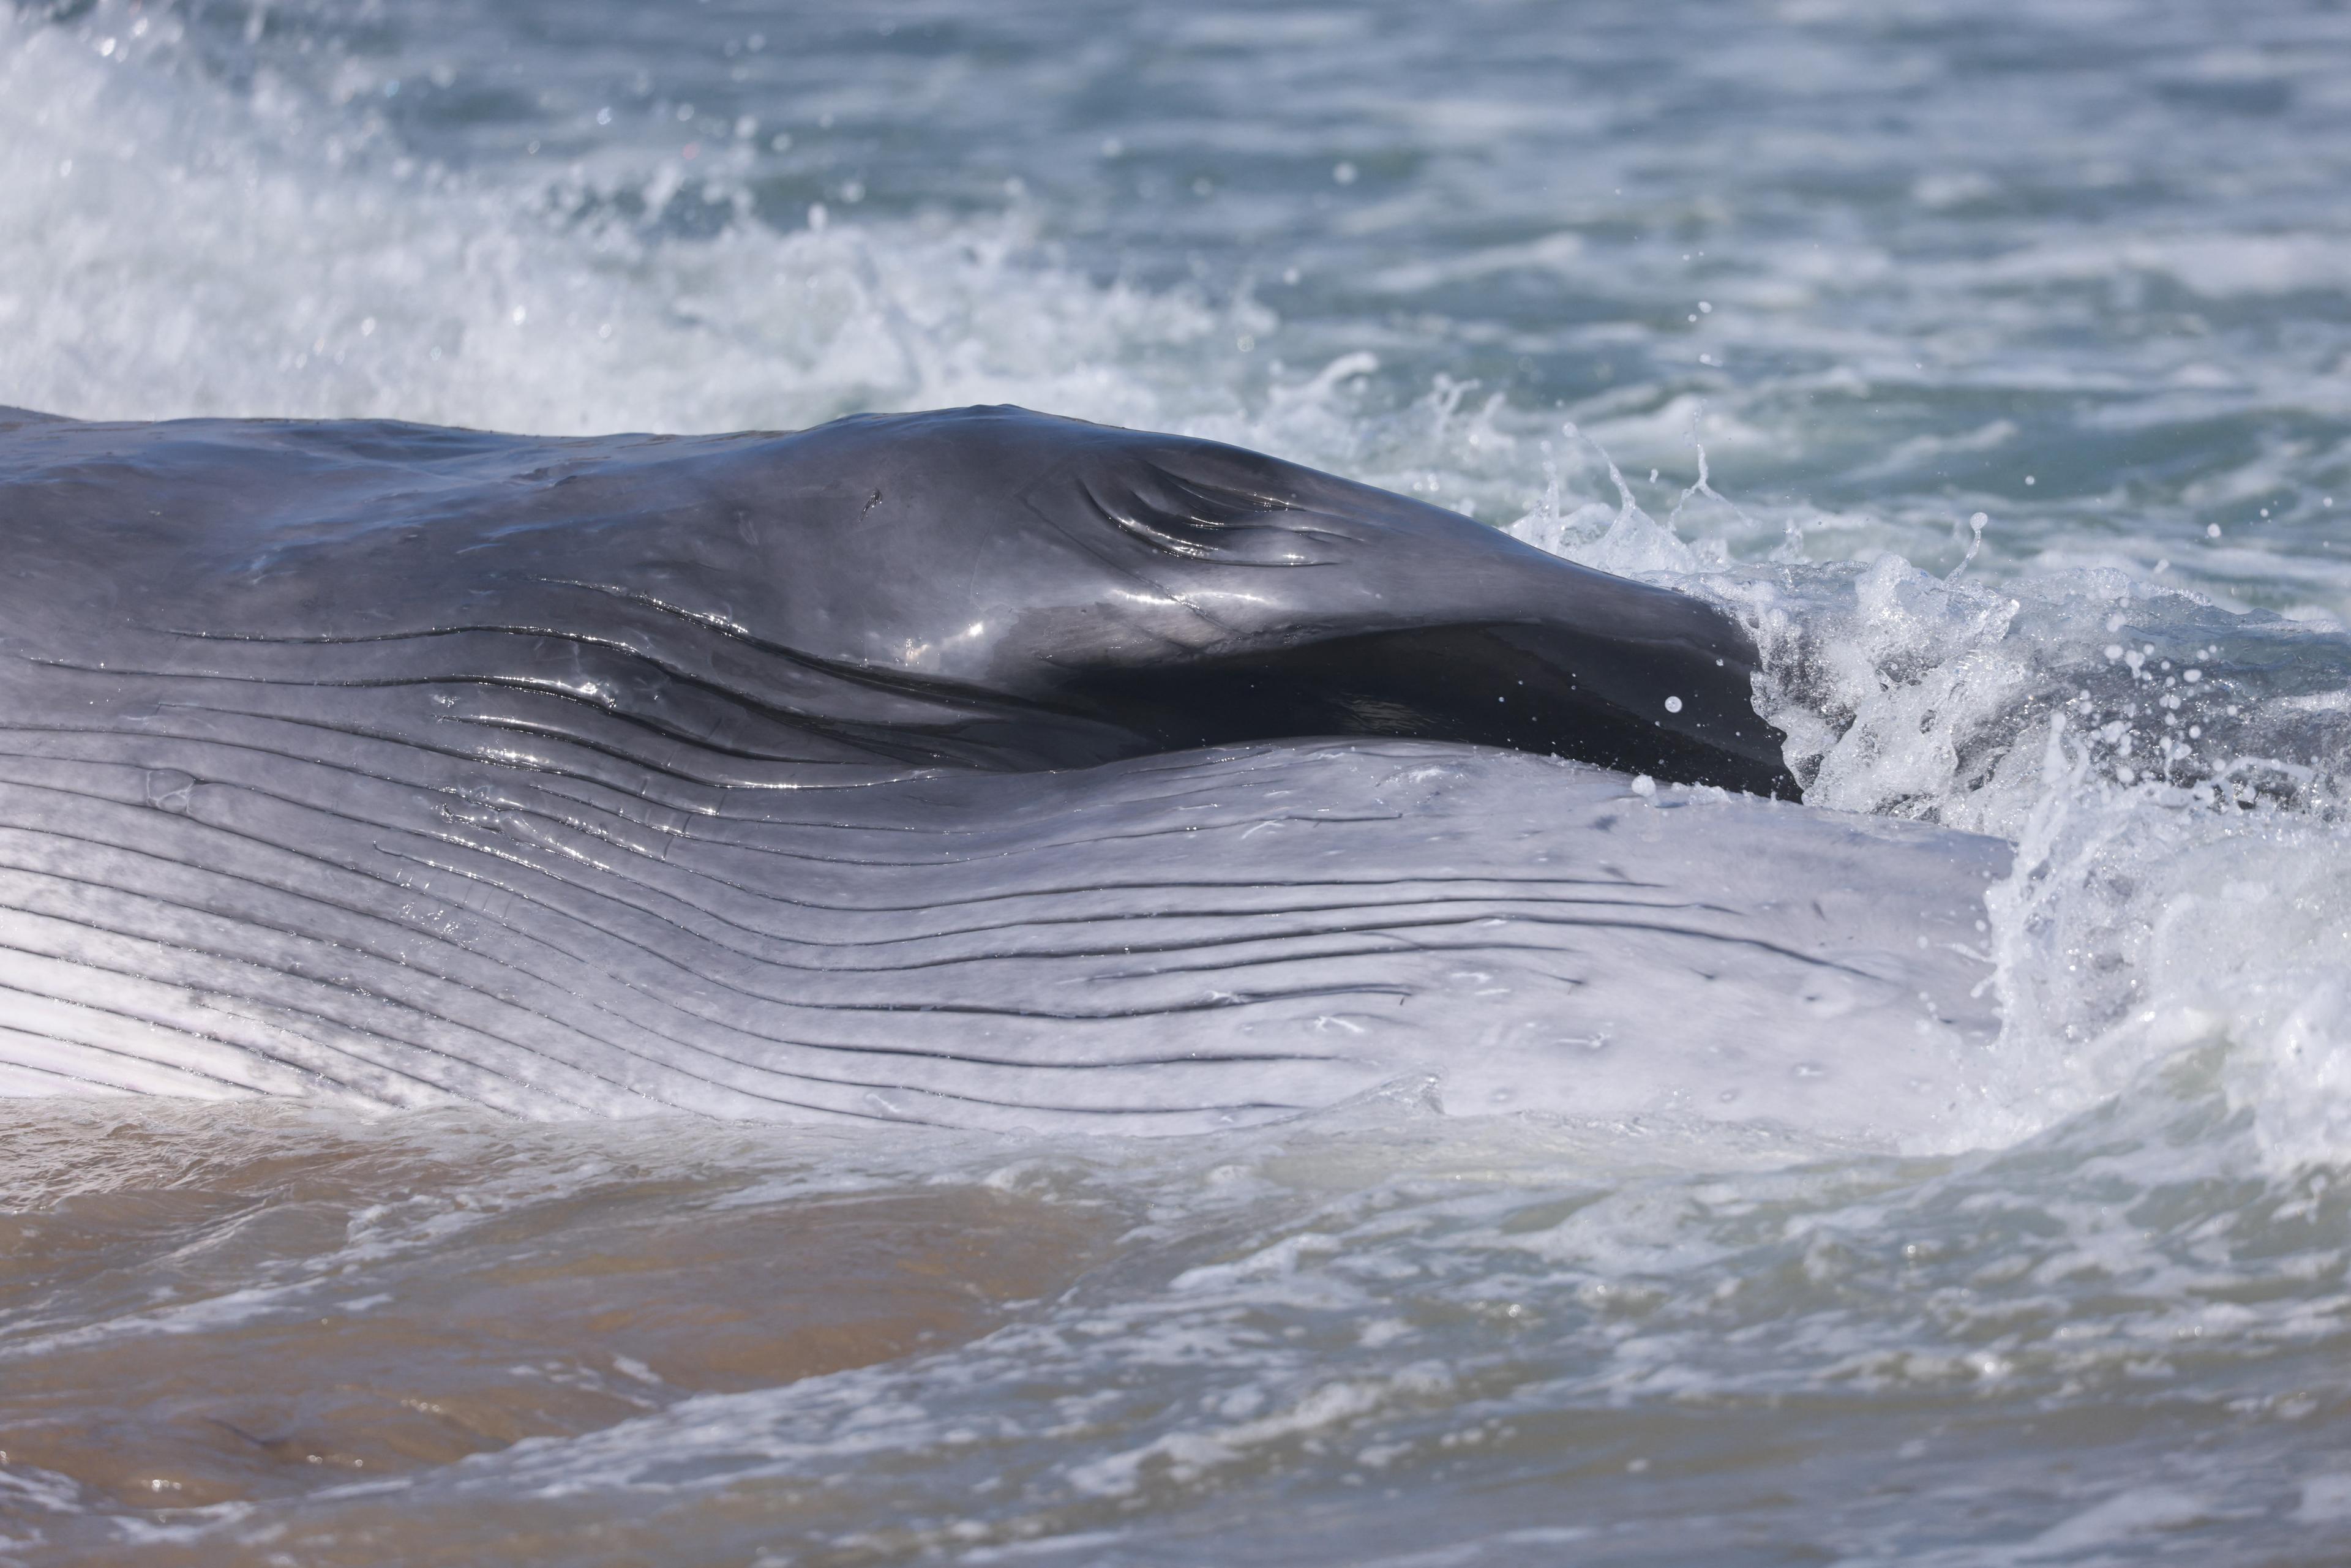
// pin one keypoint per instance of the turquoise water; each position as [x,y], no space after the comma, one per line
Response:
[1991,359]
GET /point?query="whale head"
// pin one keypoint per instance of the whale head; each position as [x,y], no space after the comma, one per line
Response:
[1189,592]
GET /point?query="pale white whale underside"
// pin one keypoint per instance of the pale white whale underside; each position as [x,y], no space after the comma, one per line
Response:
[227,904]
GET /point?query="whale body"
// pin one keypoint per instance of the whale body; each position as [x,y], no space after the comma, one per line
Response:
[975,768]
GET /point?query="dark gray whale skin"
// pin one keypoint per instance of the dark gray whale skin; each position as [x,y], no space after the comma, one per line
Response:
[900,767]
[983,588]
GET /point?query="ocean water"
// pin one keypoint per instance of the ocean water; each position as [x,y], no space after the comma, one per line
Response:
[1992,360]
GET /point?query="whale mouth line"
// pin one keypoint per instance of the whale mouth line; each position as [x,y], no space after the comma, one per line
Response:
[1298,693]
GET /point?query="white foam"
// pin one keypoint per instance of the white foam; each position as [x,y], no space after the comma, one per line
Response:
[2141,923]
[2176,889]
[168,248]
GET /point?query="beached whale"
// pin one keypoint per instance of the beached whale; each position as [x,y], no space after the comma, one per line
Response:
[975,767]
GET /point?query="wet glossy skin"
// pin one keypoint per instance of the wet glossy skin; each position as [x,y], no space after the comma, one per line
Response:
[981,587]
